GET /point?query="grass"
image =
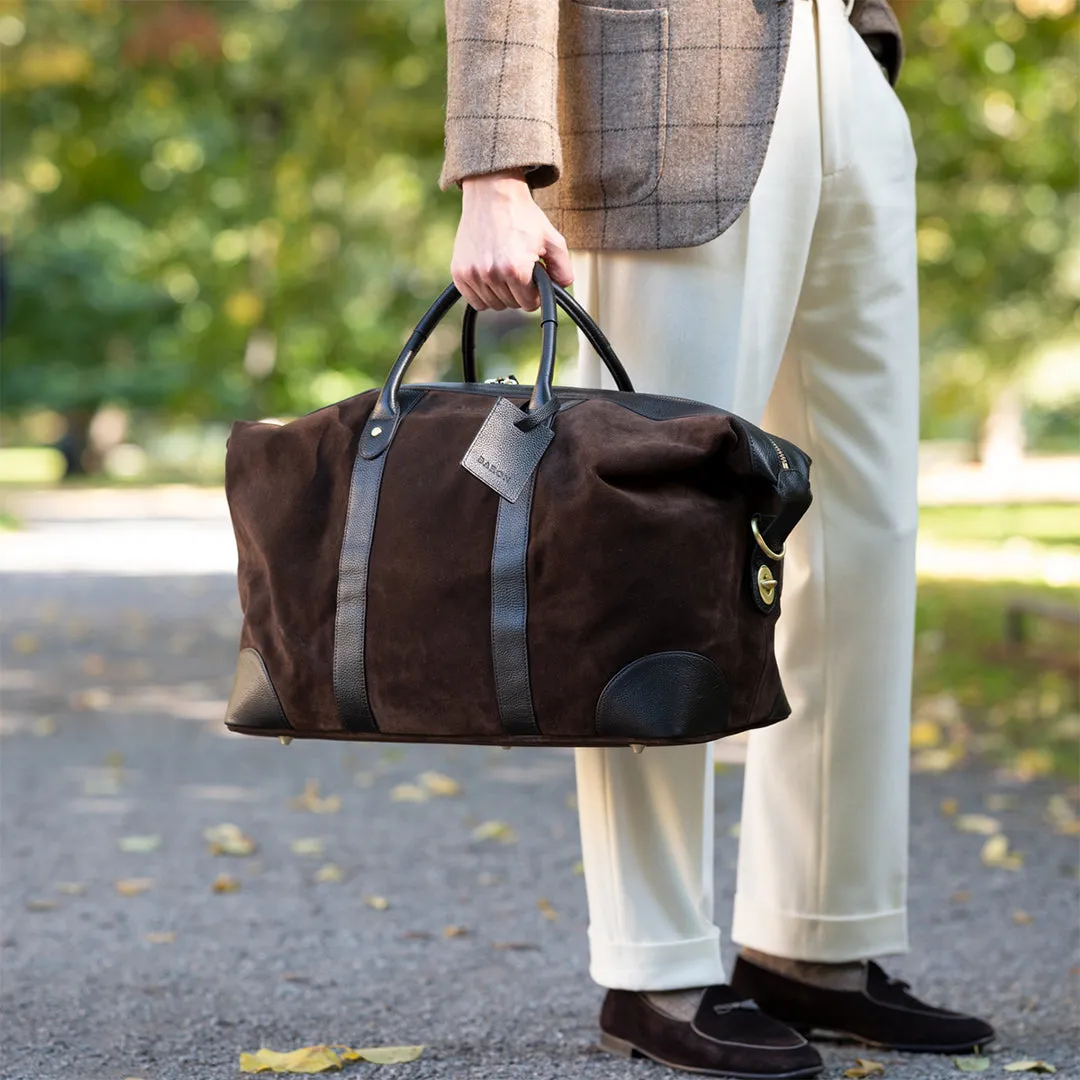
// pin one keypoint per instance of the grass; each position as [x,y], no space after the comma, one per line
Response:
[978,696]
[1044,523]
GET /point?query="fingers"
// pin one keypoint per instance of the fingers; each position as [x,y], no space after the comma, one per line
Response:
[497,286]
[557,259]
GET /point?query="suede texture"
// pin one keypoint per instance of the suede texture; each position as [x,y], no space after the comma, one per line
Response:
[737,1042]
[883,1012]
[639,543]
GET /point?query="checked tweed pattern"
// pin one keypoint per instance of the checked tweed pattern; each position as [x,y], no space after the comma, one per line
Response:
[643,124]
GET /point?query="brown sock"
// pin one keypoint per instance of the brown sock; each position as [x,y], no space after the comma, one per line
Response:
[845,976]
[678,1004]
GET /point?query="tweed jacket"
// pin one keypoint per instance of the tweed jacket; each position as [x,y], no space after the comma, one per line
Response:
[641,123]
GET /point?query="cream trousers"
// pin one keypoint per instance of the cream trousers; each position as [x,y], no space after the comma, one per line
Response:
[802,317]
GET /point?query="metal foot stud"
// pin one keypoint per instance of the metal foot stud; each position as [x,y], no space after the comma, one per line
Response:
[285,739]
[638,748]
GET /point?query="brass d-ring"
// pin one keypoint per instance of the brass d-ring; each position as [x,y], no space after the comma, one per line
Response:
[776,556]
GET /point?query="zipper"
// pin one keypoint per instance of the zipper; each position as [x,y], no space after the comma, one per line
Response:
[780,453]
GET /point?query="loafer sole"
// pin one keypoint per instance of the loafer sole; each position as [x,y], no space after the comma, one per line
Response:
[625,1049]
[816,1034]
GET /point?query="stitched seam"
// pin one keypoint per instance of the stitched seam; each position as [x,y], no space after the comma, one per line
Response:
[603,186]
[716,113]
[748,1045]
[499,116]
[498,88]
[527,701]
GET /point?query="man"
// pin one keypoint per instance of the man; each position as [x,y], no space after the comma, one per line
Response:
[730,186]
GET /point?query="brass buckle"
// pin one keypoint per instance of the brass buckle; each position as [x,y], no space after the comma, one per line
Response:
[775,556]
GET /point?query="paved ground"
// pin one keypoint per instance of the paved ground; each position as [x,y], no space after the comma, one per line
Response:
[113,691]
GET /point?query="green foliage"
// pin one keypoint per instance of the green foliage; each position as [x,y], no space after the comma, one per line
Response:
[222,209]
[181,175]
[991,90]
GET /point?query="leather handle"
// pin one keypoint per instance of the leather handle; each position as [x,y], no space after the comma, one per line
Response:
[379,430]
[593,334]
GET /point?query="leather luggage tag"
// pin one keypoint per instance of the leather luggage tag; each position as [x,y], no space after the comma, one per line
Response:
[504,456]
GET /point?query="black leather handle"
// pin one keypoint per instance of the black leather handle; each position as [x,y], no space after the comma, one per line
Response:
[593,334]
[379,430]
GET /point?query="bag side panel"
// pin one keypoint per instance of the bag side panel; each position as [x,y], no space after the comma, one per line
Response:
[288,489]
[639,545]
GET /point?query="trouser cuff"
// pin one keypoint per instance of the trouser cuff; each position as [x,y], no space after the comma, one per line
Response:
[825,938]
[671,965]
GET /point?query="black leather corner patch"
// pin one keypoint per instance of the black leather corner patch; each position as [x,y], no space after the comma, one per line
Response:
[667,695]
[254,701]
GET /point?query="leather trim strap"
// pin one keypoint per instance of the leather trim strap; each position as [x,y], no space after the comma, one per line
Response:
[509,614]
[350,675]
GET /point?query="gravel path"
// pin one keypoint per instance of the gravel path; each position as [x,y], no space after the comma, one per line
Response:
[113,692]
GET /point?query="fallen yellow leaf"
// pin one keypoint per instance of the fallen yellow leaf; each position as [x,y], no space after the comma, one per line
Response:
[316,1059]
[43,726]
[546,909]
[972,1064]
[224,883]
[133,886]
[383,1055]
[937,760]
[114,759]
[71,888]
[313,801]
[961,896]
[165,937]
[307,845]
[454,931]
[949,807]
[1033,761]
[228,839]
[978,823]
[440,784]
[925,735]
[864,1067]
[41,905]
[571,801]
[1030,1066]
[409,793]
[103,784]
[379,903]
[1022,918]
[328,873]
[25,644]
[495,830]
[140,844]
[995,852]
[578,868]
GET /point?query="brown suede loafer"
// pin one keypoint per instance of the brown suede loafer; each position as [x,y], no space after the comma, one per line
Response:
[729,1036]
[882,1013]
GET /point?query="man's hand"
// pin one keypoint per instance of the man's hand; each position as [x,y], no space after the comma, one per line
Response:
[501,235]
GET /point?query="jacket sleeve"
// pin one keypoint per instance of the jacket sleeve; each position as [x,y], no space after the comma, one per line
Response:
[501,90]
[880,29]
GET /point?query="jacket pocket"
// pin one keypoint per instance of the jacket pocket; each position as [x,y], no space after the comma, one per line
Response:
[613,69]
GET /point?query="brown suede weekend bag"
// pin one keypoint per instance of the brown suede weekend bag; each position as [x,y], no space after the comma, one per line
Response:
[494,563]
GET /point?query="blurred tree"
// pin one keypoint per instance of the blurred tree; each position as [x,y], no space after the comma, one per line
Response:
[217,209]
[222,209]
[991,90]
